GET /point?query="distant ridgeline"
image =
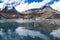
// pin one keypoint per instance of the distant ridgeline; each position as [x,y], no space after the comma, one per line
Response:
[38,13]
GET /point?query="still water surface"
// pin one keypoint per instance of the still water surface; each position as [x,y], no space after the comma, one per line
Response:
[15,31]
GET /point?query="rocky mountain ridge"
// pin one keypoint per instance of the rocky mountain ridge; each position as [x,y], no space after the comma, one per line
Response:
[39,13]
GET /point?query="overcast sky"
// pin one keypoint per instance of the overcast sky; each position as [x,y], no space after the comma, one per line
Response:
[22,5]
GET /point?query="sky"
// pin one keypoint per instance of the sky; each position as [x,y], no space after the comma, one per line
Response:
[23,5]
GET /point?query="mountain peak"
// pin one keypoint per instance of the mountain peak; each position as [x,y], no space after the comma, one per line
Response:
[46,7]
[10,7]
[10,10]
[38,10]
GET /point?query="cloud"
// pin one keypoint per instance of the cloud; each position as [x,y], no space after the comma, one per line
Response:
[25,32]
[22,5]
[2,6]
[11,2]
[52,1]
[56,33]
[56,5]
[26,6]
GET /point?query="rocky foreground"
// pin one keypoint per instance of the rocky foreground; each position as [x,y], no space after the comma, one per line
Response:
[39,13]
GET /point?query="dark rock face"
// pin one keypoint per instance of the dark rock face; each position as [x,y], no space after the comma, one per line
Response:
[39,13]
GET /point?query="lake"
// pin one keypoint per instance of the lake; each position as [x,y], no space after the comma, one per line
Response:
[16,30]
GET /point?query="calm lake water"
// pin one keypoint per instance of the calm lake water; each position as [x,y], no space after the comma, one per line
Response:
[12,30]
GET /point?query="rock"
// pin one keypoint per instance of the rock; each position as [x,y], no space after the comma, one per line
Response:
[39,13]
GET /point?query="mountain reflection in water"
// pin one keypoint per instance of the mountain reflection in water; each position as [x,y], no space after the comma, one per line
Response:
[16,31]
[22,34]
